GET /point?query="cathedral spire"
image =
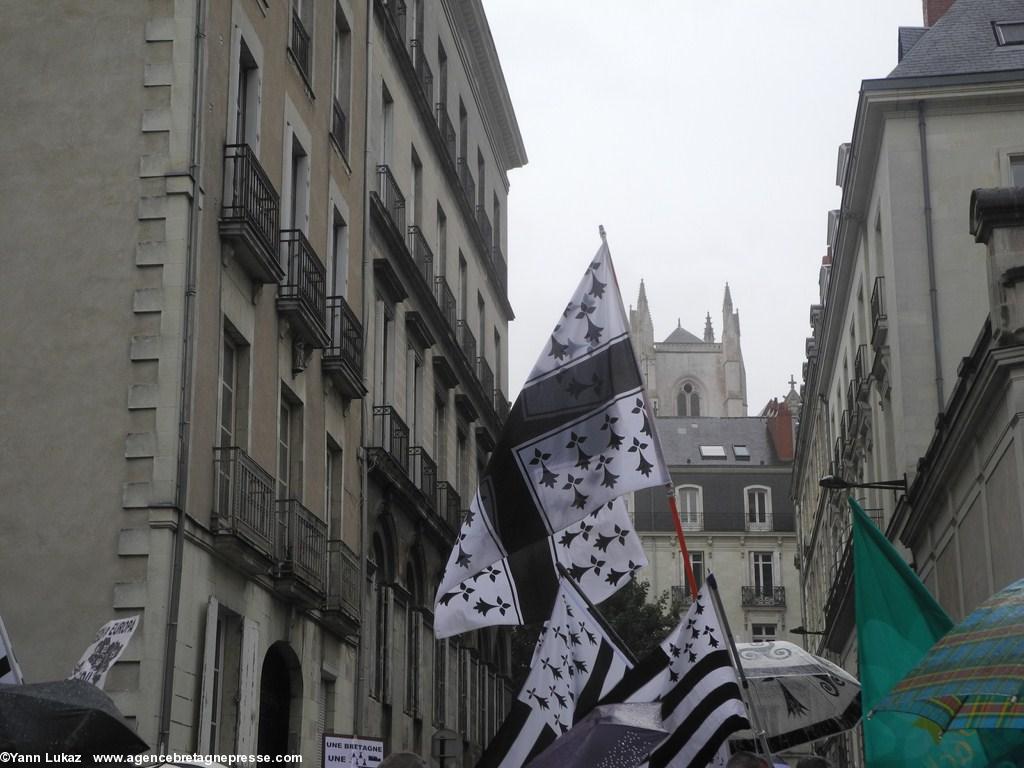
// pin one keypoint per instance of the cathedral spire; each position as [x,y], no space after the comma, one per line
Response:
[641,302]
[727,301]
[709,332]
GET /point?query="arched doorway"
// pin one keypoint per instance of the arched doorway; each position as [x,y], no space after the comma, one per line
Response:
[280,693]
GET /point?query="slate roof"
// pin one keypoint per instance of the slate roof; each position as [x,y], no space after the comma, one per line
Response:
[682,436]
[963,42]
[682,336]
[908,39]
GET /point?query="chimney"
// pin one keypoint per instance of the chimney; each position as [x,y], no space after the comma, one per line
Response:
[780,429]
[935,10]
[997,220]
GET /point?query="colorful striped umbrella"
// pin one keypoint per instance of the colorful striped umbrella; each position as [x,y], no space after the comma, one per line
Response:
[973,678]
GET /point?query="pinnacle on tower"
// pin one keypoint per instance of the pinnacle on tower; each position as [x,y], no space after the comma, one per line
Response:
[727,301]
[709,332]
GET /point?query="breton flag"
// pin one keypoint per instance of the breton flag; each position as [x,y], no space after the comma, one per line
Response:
[10,673]
[578,437]
[574,664]
[693,677]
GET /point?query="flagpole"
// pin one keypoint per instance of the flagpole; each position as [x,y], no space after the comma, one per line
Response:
[755,721]
[691,580]
[626,650]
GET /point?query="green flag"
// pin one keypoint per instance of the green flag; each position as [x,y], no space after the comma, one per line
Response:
[898,621]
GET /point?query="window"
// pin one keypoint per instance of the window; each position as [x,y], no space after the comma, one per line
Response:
[681,592]
[339,256]
[383,363]
[224,681]
[342,79]
[412,663]
[246,98]
[440,682]
[463,134]
[762,633]
[442,241]
[325,714]
[1009,32]
[463,287]
[298,191]
[462,467]
[481,319]
[759,508]
[741,452]
[497,361]
[228,390]
[462,657]
[712,452]
[416,198]
[381,648]
[697,563]
[688,401]
[1017,170]
[497,223]
[300,44]
[481,170]
[386,117]
[763,573]
[335,489]
[413,387]
[441,438]
[217,673]
[289,448]
[442,76]
[690,507]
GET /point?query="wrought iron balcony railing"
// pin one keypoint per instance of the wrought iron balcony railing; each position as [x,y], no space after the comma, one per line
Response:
[879,319]
[446,301]
[344,352]
[423,72]
[681,595]
[862,370]
[343,578]
[391,196]
[763,597]
[244,505]
[423,471]
[485,375]
[468,182]
[467,341]
[421,254]
[391,434]
[251,212]
[449,505]
[303,292]
[447,129]
[302,543]
[299,46]
[483,223]
[339,127]
[397,14]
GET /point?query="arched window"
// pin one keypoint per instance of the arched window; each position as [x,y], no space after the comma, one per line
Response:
[759,507]
[688,401]
[691,507]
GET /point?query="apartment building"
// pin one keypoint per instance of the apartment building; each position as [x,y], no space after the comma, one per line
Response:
[210,324]
[903,294]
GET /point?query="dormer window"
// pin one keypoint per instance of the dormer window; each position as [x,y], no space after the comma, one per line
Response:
[1009,32]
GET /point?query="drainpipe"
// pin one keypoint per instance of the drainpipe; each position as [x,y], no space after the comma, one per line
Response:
[359,725]
[930,245]
[185,396]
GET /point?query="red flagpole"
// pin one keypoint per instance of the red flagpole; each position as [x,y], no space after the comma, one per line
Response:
[687,566]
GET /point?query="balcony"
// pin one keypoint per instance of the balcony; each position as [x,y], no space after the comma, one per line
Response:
[423,73]
[449,505]
[681,596]
[391,197]
[391,436]
[483,223]
[342,358]
[485,376]
[467,341]
[299,47]
[447,129]
[500,267]
[422,255]
[302,298]
[341,608]
[445,301]
[244,519]
[879,319]
[844,429]
[396,12]
[339,128]
[763,597]
[862,372]
[250,214]
[302,553]
[423,472]
[467,180]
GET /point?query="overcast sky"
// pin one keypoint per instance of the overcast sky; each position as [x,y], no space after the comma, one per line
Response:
[703,135]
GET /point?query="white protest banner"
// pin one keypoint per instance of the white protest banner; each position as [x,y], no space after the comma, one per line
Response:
[107,648]
[348,751]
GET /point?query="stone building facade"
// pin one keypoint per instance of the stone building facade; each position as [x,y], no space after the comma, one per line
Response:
[246,255]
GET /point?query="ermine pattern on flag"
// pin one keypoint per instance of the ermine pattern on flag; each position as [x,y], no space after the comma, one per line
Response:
[691,673]
[574,664]
[578,437]
[602,553]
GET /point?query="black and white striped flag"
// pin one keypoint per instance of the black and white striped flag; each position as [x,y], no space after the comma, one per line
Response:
[10,674]
[578,437]
[574,664]
[692,675]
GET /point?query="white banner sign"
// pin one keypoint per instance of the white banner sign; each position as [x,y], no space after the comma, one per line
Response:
[345,752]
[107,648]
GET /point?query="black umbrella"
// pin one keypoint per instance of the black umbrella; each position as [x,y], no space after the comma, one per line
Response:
[611,736]
[64,716]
